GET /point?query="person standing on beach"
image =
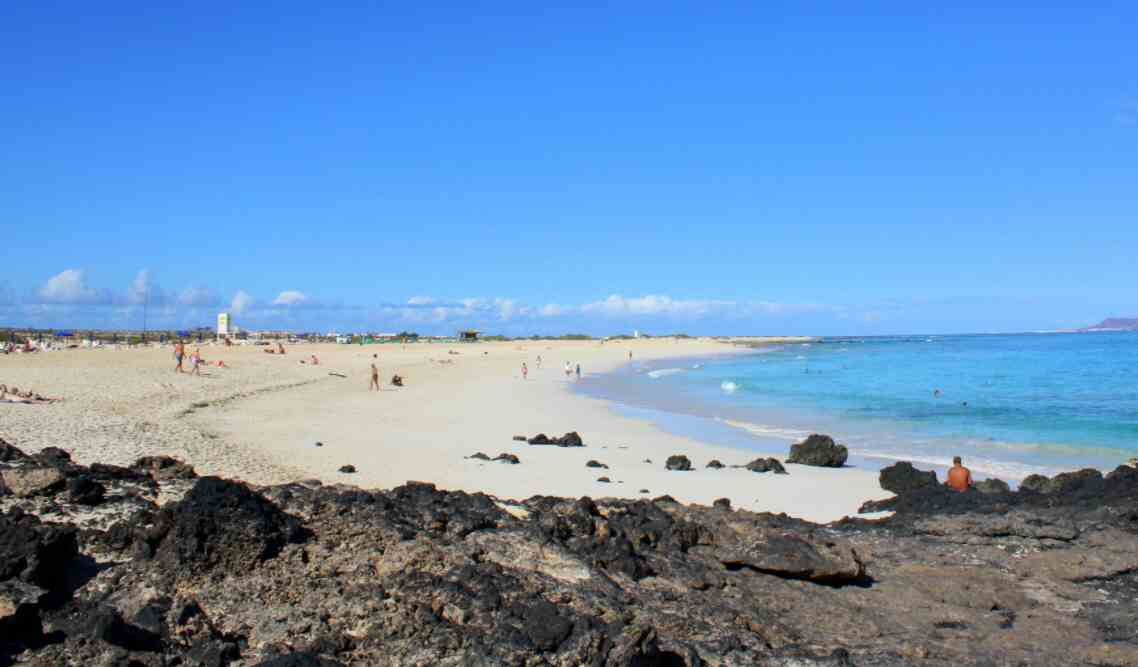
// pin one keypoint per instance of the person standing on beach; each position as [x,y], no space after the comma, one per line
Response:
[568,369]
[539,361]
[179,352]
[525,371]
[196,361]
[374,378]
[959,477]
[578,371]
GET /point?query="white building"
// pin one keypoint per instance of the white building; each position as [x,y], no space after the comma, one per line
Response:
[224,325]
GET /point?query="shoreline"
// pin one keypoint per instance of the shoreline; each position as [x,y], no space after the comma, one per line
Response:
[452,406]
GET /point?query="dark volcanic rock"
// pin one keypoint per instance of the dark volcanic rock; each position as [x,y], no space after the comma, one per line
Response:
[10,453]
[507,458]
[164,467]
[595,464]
[520,438]
[35,552]
[769,464]
[1086,482]
[992,485]
[1034,483]
[818,450]
[223,524]
[678,462]
[722,503]
[85,491]
[571,439]
[480,456]
[52,456]
[902,477]
[604,480]
[348,469]
[300,659]
[714,463]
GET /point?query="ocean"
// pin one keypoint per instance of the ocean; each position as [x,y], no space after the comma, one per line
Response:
[1010,405]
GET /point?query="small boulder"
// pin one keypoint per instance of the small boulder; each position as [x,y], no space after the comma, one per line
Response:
[348,469]
[678,462]
[540,439]
[722,503]
[902,478]
[479,455]
[53,456]
[1035,484]
[164,467]
[595,464]
[319,444]
[570,439]
[85,491]
[992,485]
[818,450]
[645,491]
[507,458]
[9,453]
[520,438]
[714,463]
[604,480]
[769,464]
[27,482]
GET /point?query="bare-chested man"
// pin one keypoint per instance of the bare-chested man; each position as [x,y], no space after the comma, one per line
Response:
[374,378]
[959,477]
[179,353]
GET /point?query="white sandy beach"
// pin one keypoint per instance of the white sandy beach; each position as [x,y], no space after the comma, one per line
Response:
[259,418]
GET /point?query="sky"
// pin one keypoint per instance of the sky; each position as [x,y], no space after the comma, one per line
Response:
[710,168]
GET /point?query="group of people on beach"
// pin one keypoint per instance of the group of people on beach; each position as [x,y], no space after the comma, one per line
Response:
[14,395]
[569,369]
[196,360]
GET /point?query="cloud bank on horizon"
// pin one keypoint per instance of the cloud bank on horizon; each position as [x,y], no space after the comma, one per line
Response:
[68,300]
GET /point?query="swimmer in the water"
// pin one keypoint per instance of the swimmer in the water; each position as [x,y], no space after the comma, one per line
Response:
[936,392]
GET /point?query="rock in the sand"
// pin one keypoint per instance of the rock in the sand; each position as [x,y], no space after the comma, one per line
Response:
[165,467]
[299,659]
[27,482]
[604,480]
[85,491]
[319,444]
[35,552]
[645,491]
[1034,483]
[595,464]
[570,439]
[479,455]
[678,462]
[664,499]
[540,439]
[647,460]
[520,438]
[226,526]
[714,463]
[1085,481]
[722,503]
[902,478]
[347,469]
[818,450]
[10,453]
[53,456]
[769,464]
[507,458]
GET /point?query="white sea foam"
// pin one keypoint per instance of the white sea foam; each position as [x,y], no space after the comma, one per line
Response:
[664,371]
[800,357]
[696,365]
[766,430]
[728,387]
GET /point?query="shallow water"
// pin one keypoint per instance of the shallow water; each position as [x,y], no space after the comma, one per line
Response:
[1011,405]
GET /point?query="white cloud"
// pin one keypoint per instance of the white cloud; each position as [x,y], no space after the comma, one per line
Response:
[197,297]
[290,298]
[140,288]
[70,286]
[552,310]
[654,304]
[242,301]
[420,301]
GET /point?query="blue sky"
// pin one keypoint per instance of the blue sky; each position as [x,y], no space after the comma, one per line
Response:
[738,168]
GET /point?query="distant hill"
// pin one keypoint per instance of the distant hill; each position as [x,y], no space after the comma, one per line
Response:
[1115,324]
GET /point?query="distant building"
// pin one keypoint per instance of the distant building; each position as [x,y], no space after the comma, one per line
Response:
[224,324]
[468,336]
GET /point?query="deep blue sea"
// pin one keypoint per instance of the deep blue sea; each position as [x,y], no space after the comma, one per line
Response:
[1011,405]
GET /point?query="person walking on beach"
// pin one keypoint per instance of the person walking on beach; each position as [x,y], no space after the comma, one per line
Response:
[959,477]
[539,361]
[525,371]
[568,369]
[374,378]
[196,361]
[179,352]
[578,371]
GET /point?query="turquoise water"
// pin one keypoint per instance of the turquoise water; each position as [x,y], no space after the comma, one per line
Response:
[1011,405]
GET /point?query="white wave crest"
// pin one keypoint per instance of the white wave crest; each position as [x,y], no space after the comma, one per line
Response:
[728,387]
[664,371]
[768,431]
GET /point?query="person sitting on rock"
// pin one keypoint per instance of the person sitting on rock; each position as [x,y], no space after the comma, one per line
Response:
[959,477]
